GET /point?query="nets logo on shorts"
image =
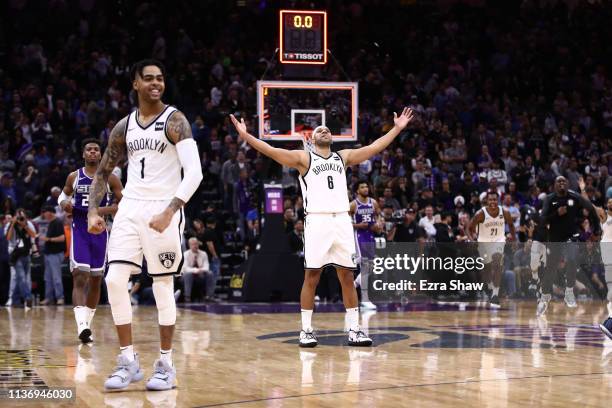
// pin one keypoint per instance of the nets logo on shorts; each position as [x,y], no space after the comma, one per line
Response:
[167,259]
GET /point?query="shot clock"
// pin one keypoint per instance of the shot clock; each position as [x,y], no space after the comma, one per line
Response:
[303,37]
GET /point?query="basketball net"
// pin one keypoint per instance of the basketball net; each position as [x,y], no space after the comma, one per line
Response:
[307,140]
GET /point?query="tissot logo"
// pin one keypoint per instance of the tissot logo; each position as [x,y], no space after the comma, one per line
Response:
[303,56]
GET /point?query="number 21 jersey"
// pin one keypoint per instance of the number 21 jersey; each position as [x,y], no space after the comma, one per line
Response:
[324,185]
[154,169]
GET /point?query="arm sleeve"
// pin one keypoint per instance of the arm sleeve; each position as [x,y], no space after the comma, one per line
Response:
[63,196]
[189,157]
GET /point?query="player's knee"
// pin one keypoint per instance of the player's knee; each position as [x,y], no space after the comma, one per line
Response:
[80,278]
[312,277]
[163,290]
[118,297]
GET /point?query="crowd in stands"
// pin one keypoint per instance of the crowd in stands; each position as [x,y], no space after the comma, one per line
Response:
[508,97]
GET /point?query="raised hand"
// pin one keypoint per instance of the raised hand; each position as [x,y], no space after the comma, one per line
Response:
[240,126]
[404,119]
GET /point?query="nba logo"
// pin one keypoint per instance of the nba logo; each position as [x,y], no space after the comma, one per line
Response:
[167,259]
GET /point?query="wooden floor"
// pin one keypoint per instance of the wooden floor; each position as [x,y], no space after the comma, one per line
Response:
[425,356]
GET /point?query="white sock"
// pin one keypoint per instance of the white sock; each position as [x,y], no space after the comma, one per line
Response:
[78,314]
[490,285]
[495,290]
[535,276]
[128,352]
[306,320]
[166,355]
[90,315]
[352,317]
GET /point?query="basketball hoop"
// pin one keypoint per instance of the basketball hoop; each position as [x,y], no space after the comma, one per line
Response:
[307,139]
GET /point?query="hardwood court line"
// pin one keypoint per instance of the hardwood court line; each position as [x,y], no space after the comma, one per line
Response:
[392,387]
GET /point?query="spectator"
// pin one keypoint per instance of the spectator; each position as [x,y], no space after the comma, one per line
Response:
[296,238]
[213,245]
[390,200]
[20,234]
[195,269]
[427,223]
[5,272]
[408,230]
[55,245]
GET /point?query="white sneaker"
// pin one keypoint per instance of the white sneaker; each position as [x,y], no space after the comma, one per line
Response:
[308,338]
[543,304]
[9,302]
[358,338]
[570,299]
[126,372]
[164,377]
[367,305]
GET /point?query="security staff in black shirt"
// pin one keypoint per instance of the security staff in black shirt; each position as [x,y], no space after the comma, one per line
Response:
[562,213]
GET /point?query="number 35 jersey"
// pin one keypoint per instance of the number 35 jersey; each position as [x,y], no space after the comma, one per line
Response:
[324,185]
[154,169]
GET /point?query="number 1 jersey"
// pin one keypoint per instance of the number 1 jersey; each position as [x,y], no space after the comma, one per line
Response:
[324,185]
[154,169]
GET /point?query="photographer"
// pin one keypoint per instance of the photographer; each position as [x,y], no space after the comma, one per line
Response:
[19,235]
[55,245]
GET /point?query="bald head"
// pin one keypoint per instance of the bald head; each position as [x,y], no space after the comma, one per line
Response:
[561,185]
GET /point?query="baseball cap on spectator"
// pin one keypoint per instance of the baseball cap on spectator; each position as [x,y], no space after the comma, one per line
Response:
[459,200]
[542,196]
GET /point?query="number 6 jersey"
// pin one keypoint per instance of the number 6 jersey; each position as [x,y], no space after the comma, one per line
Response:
[324,185]
[154,169]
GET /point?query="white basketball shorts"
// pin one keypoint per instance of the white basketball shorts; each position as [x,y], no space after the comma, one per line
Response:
[488,249]
[329,240]
[131,237]
[538,255]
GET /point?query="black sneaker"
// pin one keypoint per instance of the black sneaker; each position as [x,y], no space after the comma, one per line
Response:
[494,302]
[606,327]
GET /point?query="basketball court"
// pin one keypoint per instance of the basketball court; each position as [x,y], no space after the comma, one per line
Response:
[246,355]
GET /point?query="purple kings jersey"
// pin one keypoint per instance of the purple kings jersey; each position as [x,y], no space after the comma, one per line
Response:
[82,184]
[365,212]
[87,251]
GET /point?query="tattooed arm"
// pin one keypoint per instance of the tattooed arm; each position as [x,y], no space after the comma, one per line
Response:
[114,152]
[179,132]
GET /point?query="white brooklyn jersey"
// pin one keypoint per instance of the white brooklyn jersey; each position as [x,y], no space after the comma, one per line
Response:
[606,229]
[492,229]
[324,185]
[154,169]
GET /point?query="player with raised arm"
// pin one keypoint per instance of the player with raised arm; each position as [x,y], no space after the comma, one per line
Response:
[328,232]
[87,251]
[489,226]
[365,212]
[163,173]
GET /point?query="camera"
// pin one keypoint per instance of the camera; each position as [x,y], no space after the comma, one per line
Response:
[21,218]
